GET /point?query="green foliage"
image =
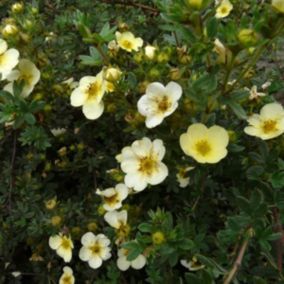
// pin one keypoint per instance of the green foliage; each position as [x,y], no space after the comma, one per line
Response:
[54,159]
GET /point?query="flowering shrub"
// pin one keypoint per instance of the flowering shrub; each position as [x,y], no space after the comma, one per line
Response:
[141,141]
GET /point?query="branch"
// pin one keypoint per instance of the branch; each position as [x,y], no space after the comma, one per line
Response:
[238,262]
[133,4]
[12,181]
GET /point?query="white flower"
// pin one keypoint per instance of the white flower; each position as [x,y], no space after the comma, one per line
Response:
[89,94]
[150,51]
[182,179]
[95,249]
[268,124]
[9,58]
[123,264]
[67,276]
[254,94]
[192,265]
[142,163]
[128,42]
[115,219]
[113,197]
[159,102]
[26,72]
[63,246]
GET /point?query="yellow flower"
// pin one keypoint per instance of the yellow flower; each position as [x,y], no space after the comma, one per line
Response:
[9,58]
[128,42]
[268,124]
[67,276]
[224,9]
[63,246]
[89,94]
[26,72]
[278,5]
[205,145]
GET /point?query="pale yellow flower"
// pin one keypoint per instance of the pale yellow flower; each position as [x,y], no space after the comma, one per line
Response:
[254,94]
[9,58]
[159,102]
[224,9]
[150,51]
[142,163]
[128,42]
[67,277]
[278,5]
[26,72]
[63,246]
[182,177]
[113,197]
[268,124]
[89,94]
[123,264]
[205,145]
[224,54]
[95,249]
[116,219]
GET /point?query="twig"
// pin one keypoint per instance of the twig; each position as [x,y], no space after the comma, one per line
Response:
[12,181]
[238,262]
[133,4]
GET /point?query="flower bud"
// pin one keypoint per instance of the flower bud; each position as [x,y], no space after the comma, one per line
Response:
[92,226]
[158,238]
[17,7]
[150,51]
[9,30]
[51,203]
[56,220]
[247,37]
[196,4]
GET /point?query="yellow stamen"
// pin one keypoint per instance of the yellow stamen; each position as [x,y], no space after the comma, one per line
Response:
[66,243]
[269,126]
[93,90]
[164,104]
[111,199]
[203,147]
[96,248]
[147,165]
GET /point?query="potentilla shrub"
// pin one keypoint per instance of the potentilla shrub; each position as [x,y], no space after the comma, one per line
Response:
[142,141]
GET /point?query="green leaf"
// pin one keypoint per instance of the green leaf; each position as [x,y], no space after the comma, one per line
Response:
[237,109]
[29,118]
[134,249]
[277,179]
[145,228]
[211,27]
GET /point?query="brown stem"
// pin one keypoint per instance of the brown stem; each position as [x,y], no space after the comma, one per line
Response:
[238,262]
[279,243]
[12,180]
[130,3]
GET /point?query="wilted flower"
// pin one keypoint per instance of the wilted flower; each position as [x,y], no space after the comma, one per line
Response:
[278,5]
[128,42]
[205,145]
[159,102]
[142,163]
[123,264]
[192,265]
[224,54]
[113,197]
[63,246]
[95,249]
[26,72]
[224,9]
[9,58]
[254,94]
[89,94]
[182,179]
[268,124]
[67,276]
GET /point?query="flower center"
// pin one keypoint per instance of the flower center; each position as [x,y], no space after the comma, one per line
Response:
[203,147]
[93,90]
[127,44]
[66,243]
[147,165]
[96,248]
[26,78]
[164,104]
[224,10]
[66,279]
[111,199]
[269,126]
